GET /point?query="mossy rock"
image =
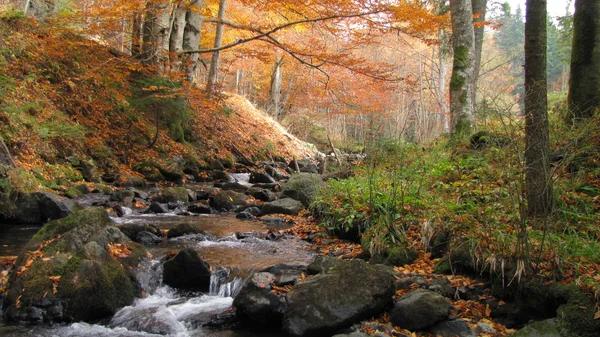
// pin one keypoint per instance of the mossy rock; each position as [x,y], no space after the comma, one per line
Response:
[545,328]
[303,187]
[72,274]
[399,256]
[149,171]
[121,195]
[228,200]
[184,229]
[175,194]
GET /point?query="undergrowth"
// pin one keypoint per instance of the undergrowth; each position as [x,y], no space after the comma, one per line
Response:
[474,195]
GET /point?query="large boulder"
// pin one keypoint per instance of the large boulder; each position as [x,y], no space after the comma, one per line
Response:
[75,269]
[187,271]
[54,207]
[282,206]
[262,194]
[420,309]
[261,177]
[303,187]
[305,165]
[346,293]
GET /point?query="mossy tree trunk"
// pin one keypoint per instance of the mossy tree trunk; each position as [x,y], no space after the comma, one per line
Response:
[191,36]
[584,83]
[461,82]
[538,181]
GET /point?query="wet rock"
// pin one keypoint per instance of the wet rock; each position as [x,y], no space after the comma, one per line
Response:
[253,210]
[131,230]
[452,328]
[234,187]
[262,194]
[419,309]
[93,282]
[244,216]
[199,208]
[158,208]
[121,210]
[140,194]
[187,271]
[228,200]
[282,206]
[303,187]
[353,334]
[221,176]
[153,320]
[256,302]
[147,238]
[174,194]
[258,177]
[54,207]
[350,292]
[184,229]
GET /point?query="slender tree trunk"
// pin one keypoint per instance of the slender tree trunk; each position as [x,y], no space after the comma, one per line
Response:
[538,181]
[191,36]
[276,78]
[214,64]
[461,104]
[479,10]
[584,83]
[137,42]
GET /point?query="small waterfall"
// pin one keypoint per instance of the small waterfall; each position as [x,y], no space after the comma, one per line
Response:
[149,275]
[221,286]
[242,178]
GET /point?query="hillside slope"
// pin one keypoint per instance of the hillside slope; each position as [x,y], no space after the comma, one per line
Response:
[69,105]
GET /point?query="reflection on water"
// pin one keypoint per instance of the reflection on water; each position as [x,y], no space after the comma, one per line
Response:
[13,238]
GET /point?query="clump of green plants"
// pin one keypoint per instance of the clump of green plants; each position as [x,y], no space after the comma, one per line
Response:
[165,99]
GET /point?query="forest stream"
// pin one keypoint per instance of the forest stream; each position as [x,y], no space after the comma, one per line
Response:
[234,248]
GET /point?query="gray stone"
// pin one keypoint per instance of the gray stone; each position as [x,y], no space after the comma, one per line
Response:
[419,309]
[228,200]
[325,303]
[147,238]
[257,303]
[54,207]
[452,328]
[282,206]
[547,328]
[187,271]
[257,177]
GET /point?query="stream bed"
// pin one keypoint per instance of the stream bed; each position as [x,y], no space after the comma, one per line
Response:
[234,248]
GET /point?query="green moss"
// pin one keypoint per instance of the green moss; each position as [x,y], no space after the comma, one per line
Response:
[457,82]
[73,193]
[54,228]
[174,194]
[576,317]
[121,195]
[399,256]
[461,57]
[443,267]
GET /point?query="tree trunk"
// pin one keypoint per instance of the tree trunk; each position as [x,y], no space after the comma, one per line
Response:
[156,33]
[584,83]
[461,105]
[276,78]
[538,181]
[176,38]
[191,36]
[5,157]
[214,64]
[479,10]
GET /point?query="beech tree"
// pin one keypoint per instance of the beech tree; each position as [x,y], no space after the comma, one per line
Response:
[463,67]
[584,83]
[537,159]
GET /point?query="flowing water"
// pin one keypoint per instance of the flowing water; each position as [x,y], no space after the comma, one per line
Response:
[234,248]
